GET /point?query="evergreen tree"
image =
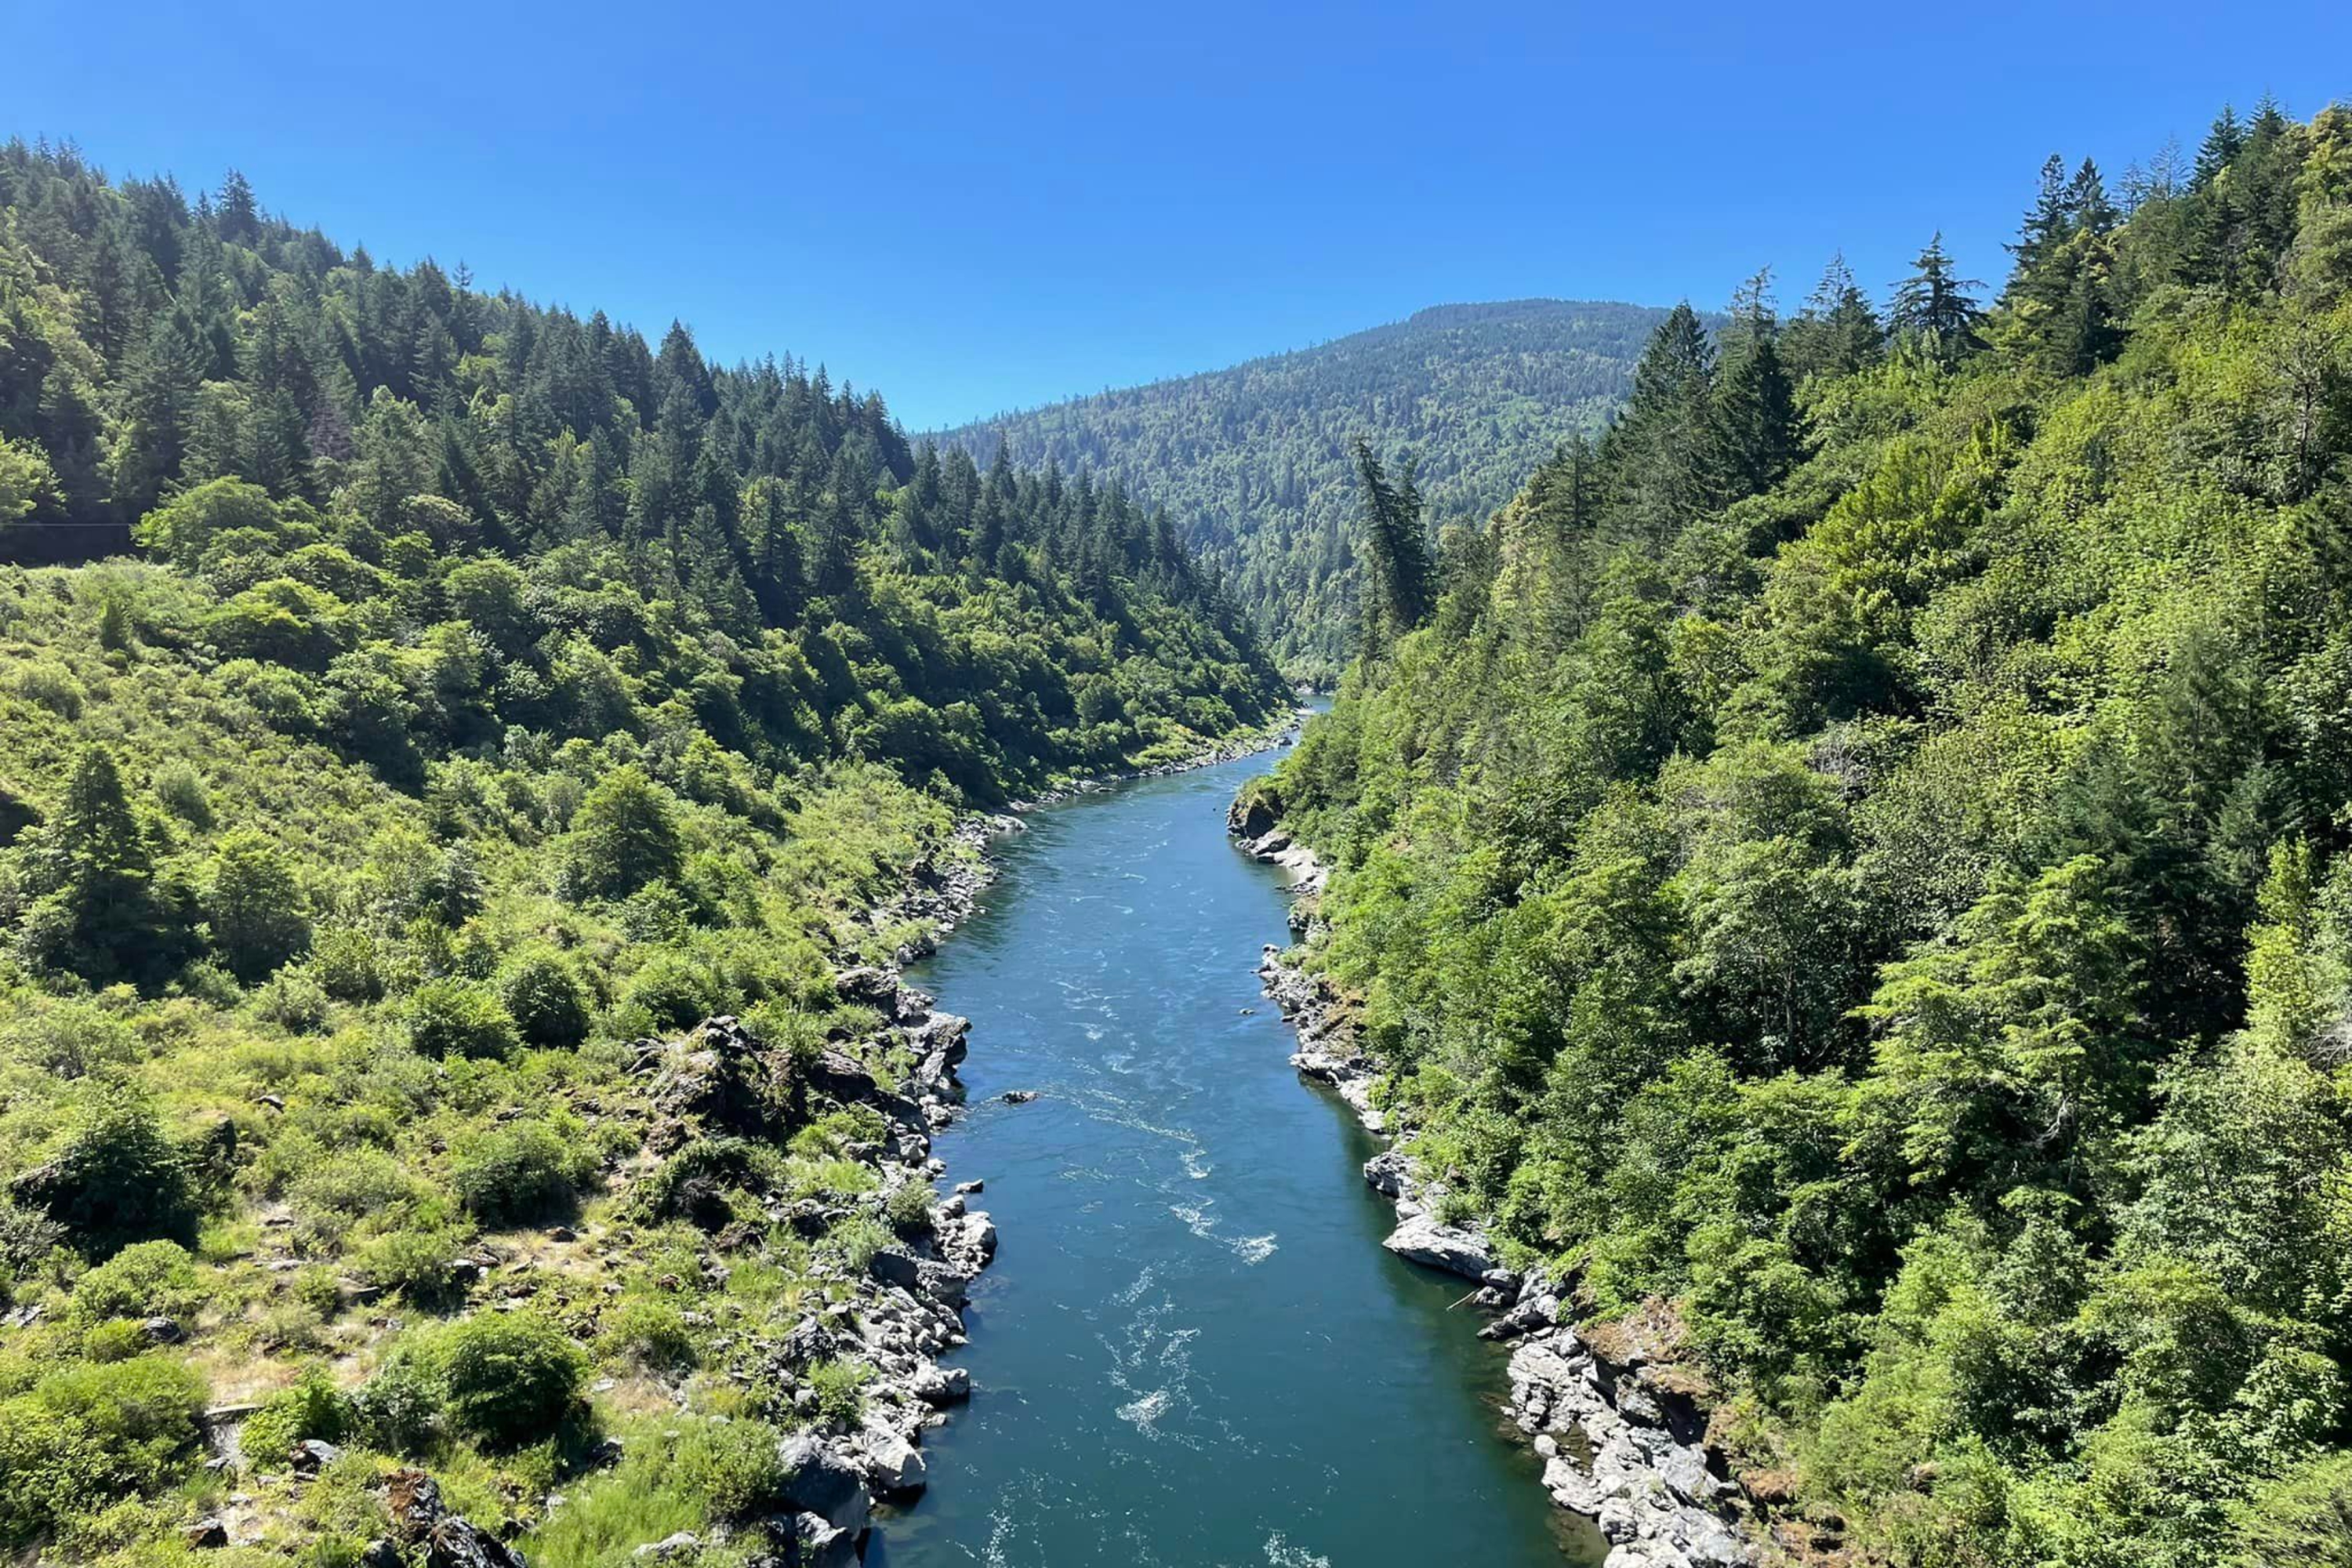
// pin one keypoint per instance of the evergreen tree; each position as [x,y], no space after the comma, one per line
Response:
[1934,306]
[1396,551]
[1755,408]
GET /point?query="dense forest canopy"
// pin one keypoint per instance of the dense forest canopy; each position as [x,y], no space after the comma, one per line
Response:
[1256,462]
[426,695]
[1858,861]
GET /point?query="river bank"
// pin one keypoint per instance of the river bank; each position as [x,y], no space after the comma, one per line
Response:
[1616,1423]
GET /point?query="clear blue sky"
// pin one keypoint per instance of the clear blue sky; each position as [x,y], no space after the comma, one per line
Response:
[973,207]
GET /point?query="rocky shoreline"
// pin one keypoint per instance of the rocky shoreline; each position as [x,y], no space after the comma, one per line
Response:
[1621,1435]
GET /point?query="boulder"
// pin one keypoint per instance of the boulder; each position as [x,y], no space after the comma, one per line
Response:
[447,1539]
[894,1465]
[815,1544]
[940,1385]
[684,1543]
[817,1481]
[866,987]
[1250,816]
[1423,1240]
[1387,1172]
[207,1533]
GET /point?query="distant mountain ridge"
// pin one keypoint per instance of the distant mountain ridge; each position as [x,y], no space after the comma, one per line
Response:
[1251,461]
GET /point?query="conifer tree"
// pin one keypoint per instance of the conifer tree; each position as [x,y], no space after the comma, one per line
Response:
[1934,305]
[1396,549]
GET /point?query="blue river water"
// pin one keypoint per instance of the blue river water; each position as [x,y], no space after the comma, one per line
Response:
[1190,1350]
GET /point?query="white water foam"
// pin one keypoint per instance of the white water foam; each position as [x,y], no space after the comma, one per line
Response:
[1255,1249]
[1147,1411]
[1282,1554]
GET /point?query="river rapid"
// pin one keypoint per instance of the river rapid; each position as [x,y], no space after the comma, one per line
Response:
[1190,1350]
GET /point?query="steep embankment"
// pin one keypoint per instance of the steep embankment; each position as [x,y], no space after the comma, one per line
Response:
[1852,884]
[1253,462]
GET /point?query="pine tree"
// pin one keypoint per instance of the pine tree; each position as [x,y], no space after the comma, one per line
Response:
[1396,549]
[1934,305]
[1660,457]
[2223,145]
[237,218]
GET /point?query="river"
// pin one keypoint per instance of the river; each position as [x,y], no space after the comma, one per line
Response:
[1191,1350]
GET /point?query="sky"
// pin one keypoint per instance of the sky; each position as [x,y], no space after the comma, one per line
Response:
[974,208]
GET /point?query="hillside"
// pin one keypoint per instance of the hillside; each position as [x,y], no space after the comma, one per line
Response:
[433,709]
[1853,884]
[1253,462]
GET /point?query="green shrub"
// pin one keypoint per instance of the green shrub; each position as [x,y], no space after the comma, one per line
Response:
[508,1378]
[673,991]
[347,962]
[311,1408]
[858,1239]
[624,835]
[840,1388]
[457,1018]
[112,1428]
[118,1180]
[52,686]
[294,999]
[549,1003]
[519,1172]
[736,1467]
[117,1339]
[142,1280]
[411,1264]
[180,789]
[650,1332]
[254,906]
[908,1209]
[400,1409]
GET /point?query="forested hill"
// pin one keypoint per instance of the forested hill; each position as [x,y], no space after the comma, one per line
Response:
[1255,462]
[1855,874]
[325,444]
[428,698]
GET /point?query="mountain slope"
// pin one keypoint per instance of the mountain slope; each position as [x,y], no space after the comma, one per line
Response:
[1856,888]
[498,696]
[1254,463]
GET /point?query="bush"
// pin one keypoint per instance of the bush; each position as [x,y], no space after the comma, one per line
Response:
[650,1333]
[840,1391]
[143,1280]
[549,1003]
[313,1407]
[510,1378]
[88,1436]
[117,1181]
[457,1018]
[624,835]
[908,1209]
[52,686]
[181,789]
[519,1172]
[673,990]
[736,1467]
[347,964]
[254,906]
[117,1339]
[411,1264]
[399,1411]
[294,999]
